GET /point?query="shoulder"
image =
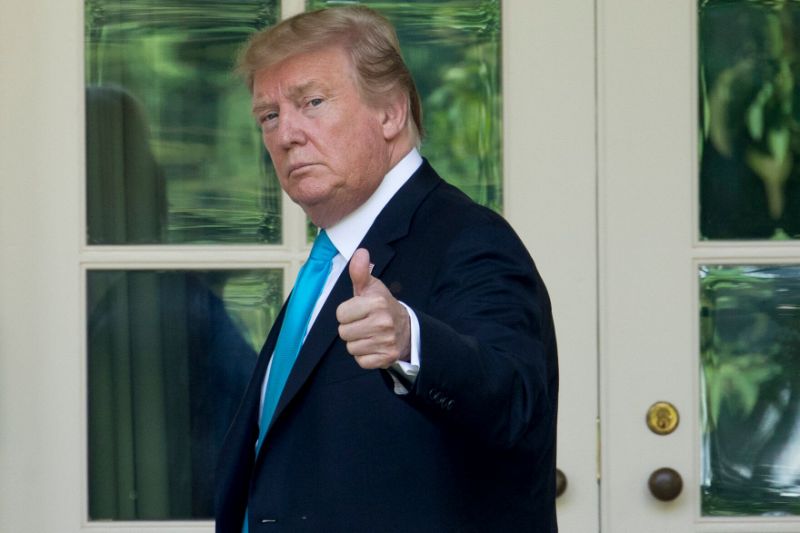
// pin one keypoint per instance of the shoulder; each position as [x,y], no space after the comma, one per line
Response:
[447,196]
[453,220]
[456,249]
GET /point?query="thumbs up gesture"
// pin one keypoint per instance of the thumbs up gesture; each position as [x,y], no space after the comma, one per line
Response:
[375,326]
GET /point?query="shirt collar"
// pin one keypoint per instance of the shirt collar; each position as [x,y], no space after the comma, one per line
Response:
[351,230]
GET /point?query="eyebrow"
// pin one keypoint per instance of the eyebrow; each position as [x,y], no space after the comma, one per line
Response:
[292,92]
[260,107]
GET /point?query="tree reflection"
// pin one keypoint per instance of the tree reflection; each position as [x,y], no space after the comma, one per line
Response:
[750,353]
[749,177]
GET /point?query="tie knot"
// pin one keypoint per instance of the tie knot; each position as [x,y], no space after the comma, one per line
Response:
[323,249]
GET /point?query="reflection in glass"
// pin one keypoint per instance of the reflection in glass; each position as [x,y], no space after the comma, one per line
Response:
[750,355]
[173,155]
[169,357]
[749,83]
[453,50]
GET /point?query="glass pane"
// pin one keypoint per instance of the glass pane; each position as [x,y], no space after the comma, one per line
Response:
[170,355]
[749,128]
[453,50]
[173,155]
[750,355]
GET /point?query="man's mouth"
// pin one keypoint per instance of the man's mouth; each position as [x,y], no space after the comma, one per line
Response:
[298,166]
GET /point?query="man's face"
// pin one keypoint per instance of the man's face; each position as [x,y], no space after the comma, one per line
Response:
[326,142]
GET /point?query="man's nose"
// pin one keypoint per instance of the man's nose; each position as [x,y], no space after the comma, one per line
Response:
[290,129]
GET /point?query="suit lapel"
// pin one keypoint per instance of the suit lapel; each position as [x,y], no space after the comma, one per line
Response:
[391,224]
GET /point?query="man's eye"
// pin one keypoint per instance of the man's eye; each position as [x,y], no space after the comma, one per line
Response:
[266,117]
[315,102]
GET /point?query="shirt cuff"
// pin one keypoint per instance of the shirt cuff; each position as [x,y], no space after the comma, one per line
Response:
[408,369]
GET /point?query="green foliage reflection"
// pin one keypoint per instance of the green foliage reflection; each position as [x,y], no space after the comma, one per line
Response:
[750,355]
[749,119]
[172,60]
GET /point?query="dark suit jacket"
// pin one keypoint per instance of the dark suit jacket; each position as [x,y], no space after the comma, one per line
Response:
[471,448]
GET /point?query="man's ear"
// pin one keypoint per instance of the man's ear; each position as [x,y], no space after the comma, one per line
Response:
[394,115]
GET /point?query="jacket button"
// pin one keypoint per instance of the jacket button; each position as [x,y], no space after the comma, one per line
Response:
[269,521]
[449,405]
[434,394]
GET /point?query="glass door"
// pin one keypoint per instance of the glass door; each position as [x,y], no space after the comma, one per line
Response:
[699,266]
[146,248]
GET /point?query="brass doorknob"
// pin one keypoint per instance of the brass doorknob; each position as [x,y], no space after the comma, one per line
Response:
[665,484]
[561,482]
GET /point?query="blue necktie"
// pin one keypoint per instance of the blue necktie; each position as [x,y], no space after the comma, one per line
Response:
[298,312]
[304,296]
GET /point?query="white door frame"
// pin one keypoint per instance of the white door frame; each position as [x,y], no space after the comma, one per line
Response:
[648,265]
[645,54]
[550,199]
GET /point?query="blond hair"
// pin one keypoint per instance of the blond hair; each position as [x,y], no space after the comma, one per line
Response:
[368,37]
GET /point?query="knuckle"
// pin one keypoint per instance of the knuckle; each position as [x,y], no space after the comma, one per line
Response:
[376,301]
[384,321]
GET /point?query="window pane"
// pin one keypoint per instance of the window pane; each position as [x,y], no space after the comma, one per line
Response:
[749,129]
[170,355]
[750,355]
[453,50]
[173,155]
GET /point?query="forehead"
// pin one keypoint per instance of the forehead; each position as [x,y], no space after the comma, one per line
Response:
[327,69]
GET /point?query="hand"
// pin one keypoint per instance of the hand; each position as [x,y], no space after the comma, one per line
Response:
[375,326]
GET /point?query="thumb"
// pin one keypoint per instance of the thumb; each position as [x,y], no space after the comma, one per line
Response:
[359,271]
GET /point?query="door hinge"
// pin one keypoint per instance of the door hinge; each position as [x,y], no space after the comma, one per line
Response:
[598,460]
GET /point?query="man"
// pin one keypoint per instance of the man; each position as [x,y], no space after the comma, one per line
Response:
[423,396]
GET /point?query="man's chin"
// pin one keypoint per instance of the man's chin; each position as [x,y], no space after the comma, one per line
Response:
[315,207]
[324,214]
[309,200]
[325,206]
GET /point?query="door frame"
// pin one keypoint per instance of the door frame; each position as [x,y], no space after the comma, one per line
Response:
[550,199]
[650,251]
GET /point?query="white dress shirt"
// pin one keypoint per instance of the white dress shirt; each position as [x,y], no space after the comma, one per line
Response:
[346,235]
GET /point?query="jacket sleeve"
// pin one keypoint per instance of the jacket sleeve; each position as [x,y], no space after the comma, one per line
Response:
[488,350]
